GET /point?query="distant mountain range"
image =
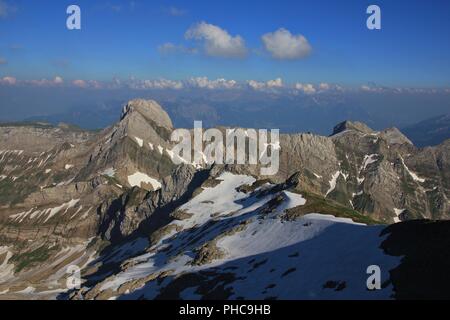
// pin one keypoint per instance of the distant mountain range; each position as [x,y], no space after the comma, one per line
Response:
[429,132]
[305,114]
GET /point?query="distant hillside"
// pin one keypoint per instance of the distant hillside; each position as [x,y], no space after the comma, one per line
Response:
[429,132]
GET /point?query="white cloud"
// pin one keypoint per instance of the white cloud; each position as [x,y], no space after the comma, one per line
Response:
[305,88]
[271,84]
[205,83]
[198,82]
[80,83]
[155,84]
[324,86]
[277,83]
[275,86]
[217,42]
[283,45]
[372,87]
[256,85]
[45,82]
[95,84]
[375,88]
[58,80]
[8,81]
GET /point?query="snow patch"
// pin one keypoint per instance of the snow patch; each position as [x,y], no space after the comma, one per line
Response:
[86,214]
[110,172]
[68,205]
[174,156]
[139,141]
[27,290]
[6,268]
[136,179]
[412,174]
[368,159]
[332,182]
[398,212]
[317,176]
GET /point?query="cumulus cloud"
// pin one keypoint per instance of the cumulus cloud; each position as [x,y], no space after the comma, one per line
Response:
[58,80]
[277,83]
[283,45]
[45,82]
[155,84]
[217,42]
[205,83]
[305,88]
[373,87]
[79,83]
[8,81]
[271,84]
[324,86]
[275,86]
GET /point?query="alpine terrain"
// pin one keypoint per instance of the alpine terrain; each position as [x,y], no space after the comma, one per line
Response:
[110,215]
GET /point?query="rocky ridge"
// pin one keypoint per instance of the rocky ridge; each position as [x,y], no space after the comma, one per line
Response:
[96,199]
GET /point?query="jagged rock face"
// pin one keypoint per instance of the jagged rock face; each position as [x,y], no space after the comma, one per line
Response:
[350,125]
[121,217]
[137,145]
[62,188]
[388,176]
[394,136]
[150,110]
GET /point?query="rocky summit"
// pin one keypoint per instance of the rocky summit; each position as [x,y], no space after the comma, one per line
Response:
[115,207]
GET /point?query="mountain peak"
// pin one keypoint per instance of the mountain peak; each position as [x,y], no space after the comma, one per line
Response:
[351,125]
[150,110]
[394,136]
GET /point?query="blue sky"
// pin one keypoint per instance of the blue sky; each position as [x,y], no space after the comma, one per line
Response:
[121,39]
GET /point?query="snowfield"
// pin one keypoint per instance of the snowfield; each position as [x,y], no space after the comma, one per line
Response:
[412,174]
[332,182]
[398,212]
[136,179]
[6,268]
[48,213]
[259,253]
[139,141]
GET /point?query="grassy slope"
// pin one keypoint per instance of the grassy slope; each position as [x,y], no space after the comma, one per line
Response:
[318,204]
